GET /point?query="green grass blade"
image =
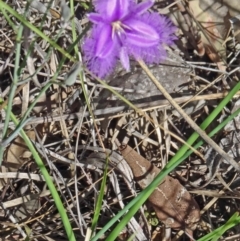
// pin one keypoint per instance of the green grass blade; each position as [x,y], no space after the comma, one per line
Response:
[24,21]
[6,9]
[137,202]
[217,233]
[10,22]
[211,134]
[100,197]
[74,34]
[52,189]
[16,74]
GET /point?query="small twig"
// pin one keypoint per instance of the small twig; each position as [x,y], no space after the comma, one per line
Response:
[201,133]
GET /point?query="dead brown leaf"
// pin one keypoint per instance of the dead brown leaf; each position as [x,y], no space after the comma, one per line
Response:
[172,203]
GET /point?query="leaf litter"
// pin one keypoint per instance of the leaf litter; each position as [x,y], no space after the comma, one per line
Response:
[65,137]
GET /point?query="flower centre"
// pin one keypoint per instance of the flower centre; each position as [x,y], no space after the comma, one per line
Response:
[118,27]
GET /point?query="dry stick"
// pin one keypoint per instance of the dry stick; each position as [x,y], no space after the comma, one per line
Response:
[201,133]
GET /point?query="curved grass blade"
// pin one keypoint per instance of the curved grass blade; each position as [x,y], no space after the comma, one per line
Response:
[52,189]
[132,207]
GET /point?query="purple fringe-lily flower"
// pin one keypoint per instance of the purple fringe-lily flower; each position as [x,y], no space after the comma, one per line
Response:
[123,29]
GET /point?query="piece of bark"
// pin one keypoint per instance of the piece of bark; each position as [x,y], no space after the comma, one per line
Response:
[172,203]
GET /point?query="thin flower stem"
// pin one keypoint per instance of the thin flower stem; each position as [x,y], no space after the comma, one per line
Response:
[200,132]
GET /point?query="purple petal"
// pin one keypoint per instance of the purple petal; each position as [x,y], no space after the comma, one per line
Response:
[156,53]
[97,65]
[95,18]
[150,55]
[116,9]
[143,7]
[167,32]
[104,44]
[124,58]
[140,33]
[101,67]
[143,37]
[162,25]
